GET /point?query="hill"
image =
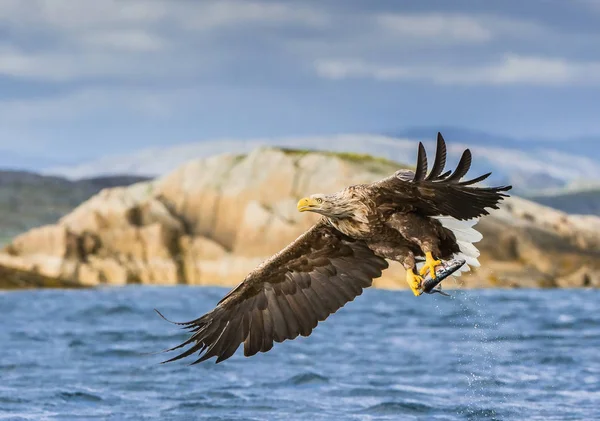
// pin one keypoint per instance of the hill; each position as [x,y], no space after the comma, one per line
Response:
[29,200]
[212,220]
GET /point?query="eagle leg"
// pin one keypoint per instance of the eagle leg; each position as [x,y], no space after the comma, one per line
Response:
[415,281]
[430,264]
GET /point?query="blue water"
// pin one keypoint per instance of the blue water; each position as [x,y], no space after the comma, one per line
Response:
[481,355]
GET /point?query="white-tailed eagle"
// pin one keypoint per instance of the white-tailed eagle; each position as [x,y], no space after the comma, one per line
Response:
[409,217]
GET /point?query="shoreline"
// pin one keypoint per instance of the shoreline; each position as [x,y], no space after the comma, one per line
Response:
[72,286]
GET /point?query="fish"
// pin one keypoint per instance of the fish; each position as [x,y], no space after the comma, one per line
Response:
[447,268]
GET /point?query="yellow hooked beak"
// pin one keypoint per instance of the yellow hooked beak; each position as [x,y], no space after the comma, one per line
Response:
[306,204]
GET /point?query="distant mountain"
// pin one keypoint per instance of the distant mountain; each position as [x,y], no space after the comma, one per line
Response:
[28,200]
[530,166]
[588,146]
[576,202]
[17,161]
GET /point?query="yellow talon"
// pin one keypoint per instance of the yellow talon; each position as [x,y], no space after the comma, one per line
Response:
[430,264]
[414,282]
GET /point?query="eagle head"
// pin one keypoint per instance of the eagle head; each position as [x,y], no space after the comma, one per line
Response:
[332,206]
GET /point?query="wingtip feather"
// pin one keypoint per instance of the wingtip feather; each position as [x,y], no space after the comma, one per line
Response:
[421,169]
[167,320]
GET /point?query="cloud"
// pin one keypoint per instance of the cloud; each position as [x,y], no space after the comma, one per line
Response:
[453,36]
[531,70]
[81,15]
[191,67]
[465,28]
[140,41]
[437,26]
[62,66]
[512,69]
[213,15]
[124,40]
[61,126]
[90,15]
[63,40]
[88,103]
[468,49]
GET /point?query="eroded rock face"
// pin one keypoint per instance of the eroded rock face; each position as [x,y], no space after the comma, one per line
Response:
[213,220]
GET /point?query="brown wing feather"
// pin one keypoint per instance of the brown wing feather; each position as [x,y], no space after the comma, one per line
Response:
[421,170]
[286,296]
[462,168]
[440,159]
[438,194]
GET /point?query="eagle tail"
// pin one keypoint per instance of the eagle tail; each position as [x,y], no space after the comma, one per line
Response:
[465,236]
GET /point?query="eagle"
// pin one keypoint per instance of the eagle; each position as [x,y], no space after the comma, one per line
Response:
[416,218]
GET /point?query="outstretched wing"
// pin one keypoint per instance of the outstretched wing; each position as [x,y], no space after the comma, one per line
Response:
[286,296]
[436,193]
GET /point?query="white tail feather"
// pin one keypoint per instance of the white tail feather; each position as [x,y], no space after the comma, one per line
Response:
[471,261]
[468,249]
[465,235]
[462,230]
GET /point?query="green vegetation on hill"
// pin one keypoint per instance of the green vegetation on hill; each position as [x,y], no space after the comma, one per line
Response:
[346,156]
[12,278]
[376,164]
[28,200]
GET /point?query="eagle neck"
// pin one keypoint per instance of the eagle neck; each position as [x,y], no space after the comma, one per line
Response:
[350,226]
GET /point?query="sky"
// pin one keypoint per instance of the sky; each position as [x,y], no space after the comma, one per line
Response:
[87,78]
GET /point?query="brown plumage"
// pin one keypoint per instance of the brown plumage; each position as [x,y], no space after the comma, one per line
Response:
[407,217]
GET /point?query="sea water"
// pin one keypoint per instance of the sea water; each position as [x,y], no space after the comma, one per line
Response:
[479,355]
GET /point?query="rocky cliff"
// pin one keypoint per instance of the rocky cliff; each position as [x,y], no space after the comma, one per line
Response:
[213,220]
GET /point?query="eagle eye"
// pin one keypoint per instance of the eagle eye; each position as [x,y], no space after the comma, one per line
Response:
[319,200]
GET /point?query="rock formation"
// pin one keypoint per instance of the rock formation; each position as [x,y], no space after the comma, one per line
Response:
[213,220]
